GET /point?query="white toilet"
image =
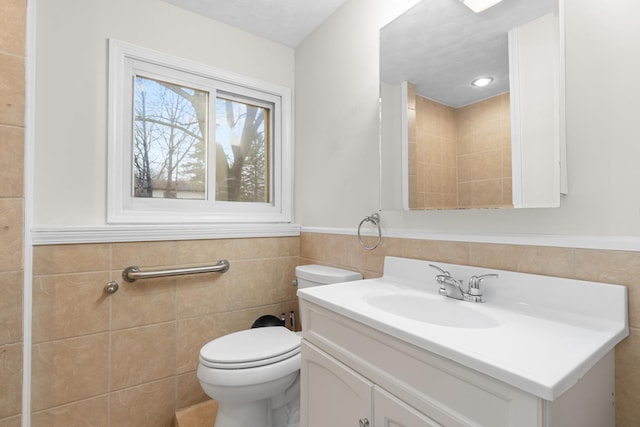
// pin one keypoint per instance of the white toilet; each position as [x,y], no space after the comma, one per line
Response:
[253,374]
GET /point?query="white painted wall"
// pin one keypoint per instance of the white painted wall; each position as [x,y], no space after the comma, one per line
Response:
[337,116]
[71,88]
[337,128]
[336,112]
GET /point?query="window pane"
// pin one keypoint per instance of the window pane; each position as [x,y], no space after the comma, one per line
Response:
[170,147]
[242,151]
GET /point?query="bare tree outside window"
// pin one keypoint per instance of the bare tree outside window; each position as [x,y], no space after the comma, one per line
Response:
[170,140]
[170,147]
[242,136]
[192,144]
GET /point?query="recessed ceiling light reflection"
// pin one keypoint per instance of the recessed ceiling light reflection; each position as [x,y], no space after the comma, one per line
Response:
[479,5]
[482,81]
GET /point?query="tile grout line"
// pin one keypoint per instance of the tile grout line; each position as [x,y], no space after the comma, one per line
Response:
[109,356]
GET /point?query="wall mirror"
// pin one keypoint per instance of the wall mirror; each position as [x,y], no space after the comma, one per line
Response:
[448,144]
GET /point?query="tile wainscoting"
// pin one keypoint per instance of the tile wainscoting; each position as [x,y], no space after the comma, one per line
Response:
[129,358]
[12,95]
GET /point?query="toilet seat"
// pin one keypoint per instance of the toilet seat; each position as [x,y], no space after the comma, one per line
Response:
[250,348]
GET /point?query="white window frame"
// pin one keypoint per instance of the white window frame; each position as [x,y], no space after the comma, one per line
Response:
[126,61]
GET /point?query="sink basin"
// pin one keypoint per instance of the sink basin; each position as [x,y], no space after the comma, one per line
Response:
[434,310]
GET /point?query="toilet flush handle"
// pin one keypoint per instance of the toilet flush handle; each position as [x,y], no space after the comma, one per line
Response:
[364,422]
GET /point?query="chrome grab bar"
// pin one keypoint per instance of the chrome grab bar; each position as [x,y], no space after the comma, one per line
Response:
[131,274]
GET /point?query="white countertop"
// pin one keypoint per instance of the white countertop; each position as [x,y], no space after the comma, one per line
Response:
[551,331]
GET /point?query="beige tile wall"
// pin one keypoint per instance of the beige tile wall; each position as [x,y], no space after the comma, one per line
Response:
[618,267]
[12,60]
[484,153]
[90,349]
[436,137]
[129,359]
[459,158]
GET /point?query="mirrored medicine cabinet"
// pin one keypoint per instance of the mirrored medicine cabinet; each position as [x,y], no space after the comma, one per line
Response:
[448,144]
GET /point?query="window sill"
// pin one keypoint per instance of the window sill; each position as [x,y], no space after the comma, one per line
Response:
[52,235]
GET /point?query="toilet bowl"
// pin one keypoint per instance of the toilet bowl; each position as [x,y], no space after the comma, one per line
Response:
[243,371]
[253,374]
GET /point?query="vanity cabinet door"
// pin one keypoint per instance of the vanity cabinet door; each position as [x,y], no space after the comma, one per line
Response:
[331,393]
[392,412]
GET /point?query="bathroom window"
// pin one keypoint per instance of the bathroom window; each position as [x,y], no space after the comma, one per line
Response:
[188,143]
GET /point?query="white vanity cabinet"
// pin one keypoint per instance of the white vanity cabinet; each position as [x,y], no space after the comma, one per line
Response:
[390,411]
[355,375]
[336,395]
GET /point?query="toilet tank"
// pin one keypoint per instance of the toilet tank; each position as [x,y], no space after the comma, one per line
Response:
[316,275]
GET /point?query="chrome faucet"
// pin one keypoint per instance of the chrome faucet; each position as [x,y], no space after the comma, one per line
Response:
[452,287]
[474,294]
[447,283]
[442,271]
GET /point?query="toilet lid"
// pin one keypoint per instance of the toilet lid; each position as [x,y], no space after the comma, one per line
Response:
[250,348]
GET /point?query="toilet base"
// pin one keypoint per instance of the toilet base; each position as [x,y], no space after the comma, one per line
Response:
[282,410]
[254,414]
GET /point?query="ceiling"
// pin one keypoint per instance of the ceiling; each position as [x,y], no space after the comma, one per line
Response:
[441,46]
[443,31]
[284,21]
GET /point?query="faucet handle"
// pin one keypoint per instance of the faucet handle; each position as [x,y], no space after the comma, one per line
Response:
[474,283]
[442,271]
